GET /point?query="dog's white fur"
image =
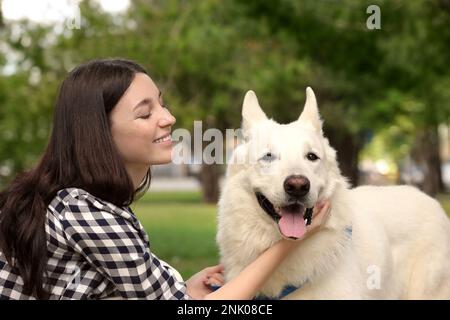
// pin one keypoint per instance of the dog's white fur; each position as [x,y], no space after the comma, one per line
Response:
[400,246]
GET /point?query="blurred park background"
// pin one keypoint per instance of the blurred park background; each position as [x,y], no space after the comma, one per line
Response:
[384,93]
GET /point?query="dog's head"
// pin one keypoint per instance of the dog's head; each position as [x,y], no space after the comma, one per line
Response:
[289,167]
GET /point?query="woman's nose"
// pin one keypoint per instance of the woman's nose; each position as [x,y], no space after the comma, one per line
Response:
[167,119]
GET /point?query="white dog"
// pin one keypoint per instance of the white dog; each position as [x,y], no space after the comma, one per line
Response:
[378,243]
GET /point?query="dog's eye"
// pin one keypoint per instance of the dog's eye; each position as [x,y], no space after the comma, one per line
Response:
[312,156]
[268,156]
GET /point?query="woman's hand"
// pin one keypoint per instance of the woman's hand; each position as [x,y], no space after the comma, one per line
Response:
[320,215]
[198,284]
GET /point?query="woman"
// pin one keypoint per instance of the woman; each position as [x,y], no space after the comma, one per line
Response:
[66,228]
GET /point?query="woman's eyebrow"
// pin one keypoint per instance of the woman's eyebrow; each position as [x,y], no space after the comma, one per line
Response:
[146,101]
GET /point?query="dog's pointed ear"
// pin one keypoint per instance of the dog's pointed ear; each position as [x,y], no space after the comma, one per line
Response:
[310,113]
[251,111]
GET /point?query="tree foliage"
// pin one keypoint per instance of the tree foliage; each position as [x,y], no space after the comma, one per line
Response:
[205,55]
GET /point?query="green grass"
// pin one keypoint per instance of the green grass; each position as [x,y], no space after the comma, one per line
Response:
[182,229]
[168,197]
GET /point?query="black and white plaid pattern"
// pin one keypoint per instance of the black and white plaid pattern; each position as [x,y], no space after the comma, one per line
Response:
[97,250]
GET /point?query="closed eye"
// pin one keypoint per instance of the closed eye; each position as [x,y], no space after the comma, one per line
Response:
[145,116]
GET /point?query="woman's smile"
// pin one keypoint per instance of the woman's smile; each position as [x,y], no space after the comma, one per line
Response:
[165,140]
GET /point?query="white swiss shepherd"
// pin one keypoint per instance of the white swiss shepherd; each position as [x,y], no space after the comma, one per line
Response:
[378,243]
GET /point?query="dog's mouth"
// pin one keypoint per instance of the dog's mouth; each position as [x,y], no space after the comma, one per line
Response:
[292,219]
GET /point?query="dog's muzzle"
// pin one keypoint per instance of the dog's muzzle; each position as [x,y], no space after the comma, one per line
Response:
[292,219]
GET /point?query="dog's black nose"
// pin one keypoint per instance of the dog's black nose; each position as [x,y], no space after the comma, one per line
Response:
[296,185]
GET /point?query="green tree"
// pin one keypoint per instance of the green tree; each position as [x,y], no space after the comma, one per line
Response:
[206,54]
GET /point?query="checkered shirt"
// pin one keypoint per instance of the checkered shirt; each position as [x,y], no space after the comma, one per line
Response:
[96,250]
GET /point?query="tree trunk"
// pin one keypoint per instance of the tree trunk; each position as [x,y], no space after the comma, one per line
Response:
[426,154]
[209,180]
[348,147]
[1,15]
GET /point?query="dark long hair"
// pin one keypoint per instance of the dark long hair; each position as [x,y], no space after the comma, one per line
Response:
[80,154]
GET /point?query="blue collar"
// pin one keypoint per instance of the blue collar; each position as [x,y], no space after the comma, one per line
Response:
[349,230]
[288,289]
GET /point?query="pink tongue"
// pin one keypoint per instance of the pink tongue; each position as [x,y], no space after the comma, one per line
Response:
[292,225]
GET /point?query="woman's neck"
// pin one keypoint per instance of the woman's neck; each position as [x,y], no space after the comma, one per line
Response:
[137,174]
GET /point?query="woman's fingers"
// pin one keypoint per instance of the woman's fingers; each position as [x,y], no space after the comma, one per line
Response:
[215,269]
[214,275]
[216,279]
[318,207]
[320,214]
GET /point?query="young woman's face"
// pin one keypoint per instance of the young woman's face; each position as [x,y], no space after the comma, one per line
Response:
[141,125]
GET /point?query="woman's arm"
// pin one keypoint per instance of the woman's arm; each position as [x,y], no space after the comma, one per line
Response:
[252,278]
[247,284]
